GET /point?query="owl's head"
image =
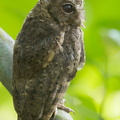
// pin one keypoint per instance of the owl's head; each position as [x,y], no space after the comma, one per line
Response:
[66,12]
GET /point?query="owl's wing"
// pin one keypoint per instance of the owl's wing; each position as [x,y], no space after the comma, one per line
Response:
[34,49]
[82,53]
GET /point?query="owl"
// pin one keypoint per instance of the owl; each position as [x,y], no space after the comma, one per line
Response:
[47,53]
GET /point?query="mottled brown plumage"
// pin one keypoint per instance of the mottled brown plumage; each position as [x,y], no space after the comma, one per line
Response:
[47,53]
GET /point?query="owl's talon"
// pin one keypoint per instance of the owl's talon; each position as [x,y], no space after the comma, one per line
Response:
[62,107]
[66,109]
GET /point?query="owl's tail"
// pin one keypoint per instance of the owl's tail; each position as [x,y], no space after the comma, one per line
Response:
[26,117]
[19,118]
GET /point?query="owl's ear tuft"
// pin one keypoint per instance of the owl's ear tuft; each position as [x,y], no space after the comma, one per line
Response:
[46,2]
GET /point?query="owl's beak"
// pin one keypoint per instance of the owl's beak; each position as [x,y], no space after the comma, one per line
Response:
[77,21]
[80,16]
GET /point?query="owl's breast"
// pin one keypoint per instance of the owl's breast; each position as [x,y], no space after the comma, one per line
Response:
[68,57]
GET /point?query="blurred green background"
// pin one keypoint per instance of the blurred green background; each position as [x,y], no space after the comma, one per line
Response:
[94,94]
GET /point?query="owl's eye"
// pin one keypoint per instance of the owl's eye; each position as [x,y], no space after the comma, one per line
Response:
[68,8]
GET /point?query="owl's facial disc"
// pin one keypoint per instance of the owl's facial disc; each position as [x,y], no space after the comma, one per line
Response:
[66,12]
[71,13]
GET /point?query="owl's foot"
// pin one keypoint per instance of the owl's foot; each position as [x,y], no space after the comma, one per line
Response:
[61,106]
